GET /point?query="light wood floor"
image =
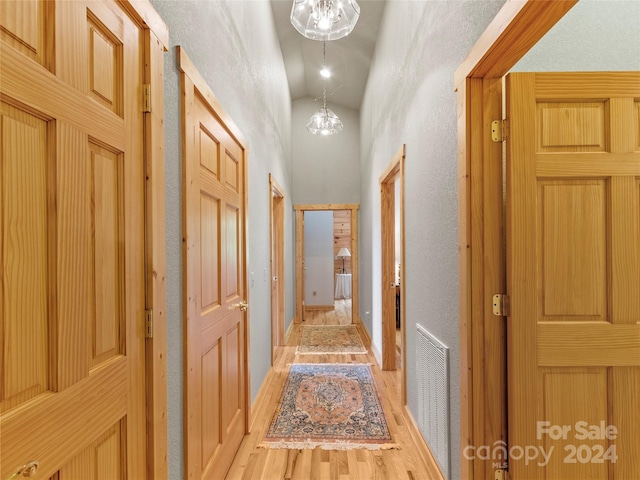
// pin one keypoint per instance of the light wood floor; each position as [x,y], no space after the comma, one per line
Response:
[398,348]
[273,464]
[341,315]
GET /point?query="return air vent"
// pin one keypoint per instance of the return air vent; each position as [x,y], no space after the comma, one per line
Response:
[432,358]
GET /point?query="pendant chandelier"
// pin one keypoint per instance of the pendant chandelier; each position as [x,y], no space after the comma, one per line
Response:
[324,121]
[324,20]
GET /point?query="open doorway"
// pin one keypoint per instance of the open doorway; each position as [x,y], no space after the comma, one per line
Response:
[342,265]
[277,212]
[492,382]
[392,263]
[327,263]
[327,267]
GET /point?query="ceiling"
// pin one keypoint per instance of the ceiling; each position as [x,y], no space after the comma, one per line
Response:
[349,58]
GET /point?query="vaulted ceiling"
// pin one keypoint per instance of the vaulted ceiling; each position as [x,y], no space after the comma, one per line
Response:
[348,58]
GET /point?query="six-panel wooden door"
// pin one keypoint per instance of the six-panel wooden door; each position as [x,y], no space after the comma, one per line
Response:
[573,275]
[216,323]
[72,244]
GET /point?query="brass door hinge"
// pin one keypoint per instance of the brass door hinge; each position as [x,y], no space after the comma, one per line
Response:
[501,305]
[148,323]
[500,130]
[501,475]
[146,98]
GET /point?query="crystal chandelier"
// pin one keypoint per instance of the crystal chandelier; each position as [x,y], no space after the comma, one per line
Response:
[324,20]
[324,121]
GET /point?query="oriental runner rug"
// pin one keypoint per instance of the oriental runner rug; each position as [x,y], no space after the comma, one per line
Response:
[330,339]
[331,406]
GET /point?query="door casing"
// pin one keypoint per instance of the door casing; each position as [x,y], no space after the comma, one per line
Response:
[478,82]
[392,174]
[156,42]
[277,212]
[300,209]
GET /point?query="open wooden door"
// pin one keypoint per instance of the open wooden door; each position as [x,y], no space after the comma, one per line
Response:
[277,212]
[216,343]
[392,216]
[72,246]
[573,275]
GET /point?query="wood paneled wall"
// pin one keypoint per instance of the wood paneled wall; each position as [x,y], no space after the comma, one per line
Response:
[342,238]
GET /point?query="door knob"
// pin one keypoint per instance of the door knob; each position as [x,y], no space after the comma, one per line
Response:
[25,471]
[242,306]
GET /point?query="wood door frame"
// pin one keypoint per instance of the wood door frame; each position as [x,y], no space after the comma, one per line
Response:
[478,82]
[156,42]
[355,296]
[187,68]
[277,222]
[394,172]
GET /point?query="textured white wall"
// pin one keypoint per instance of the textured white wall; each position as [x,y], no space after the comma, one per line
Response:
[326,169]
[235,48]
[318,257]
[410,99]
[594,35]
[417,68]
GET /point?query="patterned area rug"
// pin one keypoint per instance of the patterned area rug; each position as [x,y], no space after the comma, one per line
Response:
[331,406]
[324,339]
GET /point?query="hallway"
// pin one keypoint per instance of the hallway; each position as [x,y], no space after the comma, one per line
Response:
[273,464]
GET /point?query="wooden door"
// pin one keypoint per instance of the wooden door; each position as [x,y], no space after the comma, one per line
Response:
[277,266]
[72,243]
[392,215]
[301,265]
[573,274]
[387,253]
[216,330]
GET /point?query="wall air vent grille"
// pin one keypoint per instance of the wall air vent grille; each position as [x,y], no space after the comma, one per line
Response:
[432,359]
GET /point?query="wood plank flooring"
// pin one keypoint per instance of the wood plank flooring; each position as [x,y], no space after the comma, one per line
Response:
[341,315]
[274,464]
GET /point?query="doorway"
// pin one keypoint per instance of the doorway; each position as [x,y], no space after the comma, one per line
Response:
[73,174]
[481,227]
[327,261]
[327,266]
[277,211]
[392,263]
[216,406]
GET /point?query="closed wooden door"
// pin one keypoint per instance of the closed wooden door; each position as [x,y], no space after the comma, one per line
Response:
[573,260]
[72,244]
[215,375]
